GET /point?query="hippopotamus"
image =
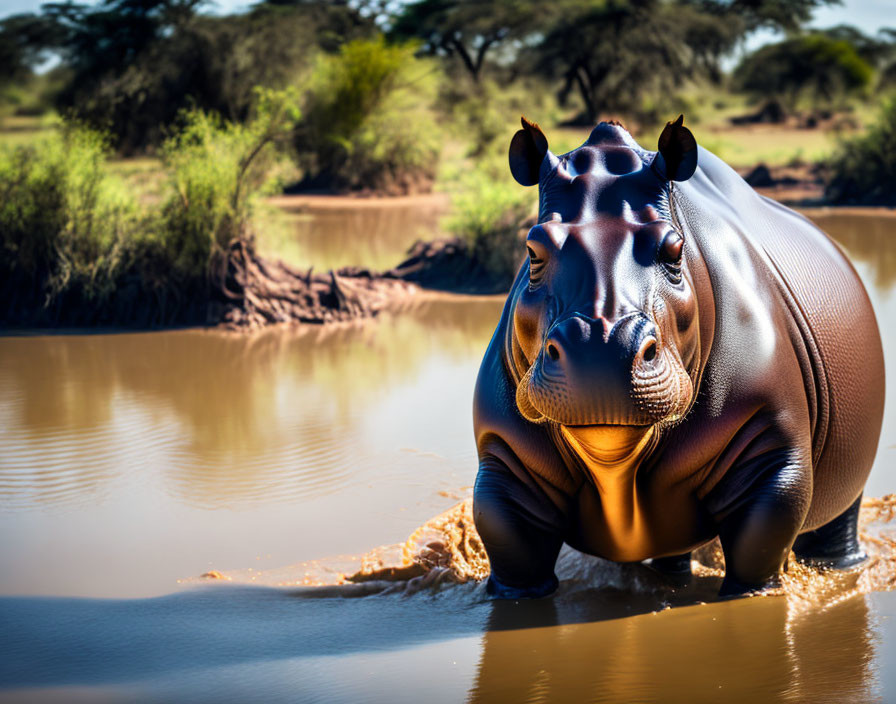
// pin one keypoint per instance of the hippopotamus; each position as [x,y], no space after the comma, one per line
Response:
[679,359]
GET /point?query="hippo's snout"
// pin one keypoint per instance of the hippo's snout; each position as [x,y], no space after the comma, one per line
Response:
[581,345]
[594,371]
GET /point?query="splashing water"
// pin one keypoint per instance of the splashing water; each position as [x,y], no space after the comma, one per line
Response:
[448,550]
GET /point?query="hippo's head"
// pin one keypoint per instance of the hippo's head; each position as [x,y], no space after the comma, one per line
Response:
[605,322]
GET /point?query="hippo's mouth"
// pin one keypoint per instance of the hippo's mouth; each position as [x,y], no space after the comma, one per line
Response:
[608,445]
[658,396]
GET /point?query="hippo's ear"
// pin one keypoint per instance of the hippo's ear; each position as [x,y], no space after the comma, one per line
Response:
[527,150]
[676,159]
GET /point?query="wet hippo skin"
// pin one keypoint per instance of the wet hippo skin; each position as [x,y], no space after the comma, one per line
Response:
[679,358]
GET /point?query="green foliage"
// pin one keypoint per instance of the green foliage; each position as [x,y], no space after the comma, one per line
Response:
[876,51]
[469,31]
[135,65]
[217,170]
[24,40]
[34,95]
[70,232]
[367,119]
[614,54]
[814,67]
[863,169]
[130,67]
[63,219]
[483,115]
[788,15]
[488,211]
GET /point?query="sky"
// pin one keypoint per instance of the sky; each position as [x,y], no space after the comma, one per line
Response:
[867,15]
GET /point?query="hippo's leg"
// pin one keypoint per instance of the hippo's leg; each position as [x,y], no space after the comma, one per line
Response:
[835,544]
[757,535]
[672,564]
[518,528]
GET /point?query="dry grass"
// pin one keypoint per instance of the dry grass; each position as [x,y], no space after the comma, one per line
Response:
[773,145]
[16,130]
[739,146]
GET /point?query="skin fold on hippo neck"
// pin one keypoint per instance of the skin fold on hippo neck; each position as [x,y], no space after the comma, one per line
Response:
[612,455]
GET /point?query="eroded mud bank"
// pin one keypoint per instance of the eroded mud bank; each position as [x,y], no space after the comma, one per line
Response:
[247,291]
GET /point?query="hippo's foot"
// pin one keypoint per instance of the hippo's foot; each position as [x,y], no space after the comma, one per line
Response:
[835,545]
[675,570]
[498,590]
[757,536]
[522,546]
[732,588]
[671,565]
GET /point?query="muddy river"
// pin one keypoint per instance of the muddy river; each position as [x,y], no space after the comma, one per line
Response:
[131,464]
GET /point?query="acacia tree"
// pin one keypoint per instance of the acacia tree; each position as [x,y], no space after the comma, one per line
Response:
[467,29]
[24,40]
[879,51]
[136,64]
[613,53]
[787,15]
[120,53]
[812,67]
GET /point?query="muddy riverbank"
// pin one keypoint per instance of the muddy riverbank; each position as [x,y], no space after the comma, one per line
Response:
[247,290]
[369,254]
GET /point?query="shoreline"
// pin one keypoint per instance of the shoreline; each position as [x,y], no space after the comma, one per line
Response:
[258,292]
[333,201]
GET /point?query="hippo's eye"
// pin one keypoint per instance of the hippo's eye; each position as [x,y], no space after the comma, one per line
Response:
[537,261]
[670,255]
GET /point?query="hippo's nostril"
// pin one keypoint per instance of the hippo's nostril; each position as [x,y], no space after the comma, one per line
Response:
[648,350]
[553,352]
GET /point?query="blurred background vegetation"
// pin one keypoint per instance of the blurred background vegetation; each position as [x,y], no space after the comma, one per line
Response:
[136,136]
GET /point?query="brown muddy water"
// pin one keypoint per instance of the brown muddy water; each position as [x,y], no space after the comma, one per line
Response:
[130,464]
[373,232]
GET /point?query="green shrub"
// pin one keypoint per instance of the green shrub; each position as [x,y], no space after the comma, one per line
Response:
[367,120]
[75,246]
[488,211]
[862,171]
[134,65]
[815,68]
[63,218]
[484,114]
[217,170]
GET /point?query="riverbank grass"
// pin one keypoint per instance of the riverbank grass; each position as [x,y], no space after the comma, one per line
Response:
[64,219]
[488,211]
[79,248]
[862,171]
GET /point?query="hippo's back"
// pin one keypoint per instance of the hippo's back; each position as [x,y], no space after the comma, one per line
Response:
[832,310]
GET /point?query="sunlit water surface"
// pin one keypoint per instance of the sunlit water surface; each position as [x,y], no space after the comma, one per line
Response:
[130,462]
[375,233]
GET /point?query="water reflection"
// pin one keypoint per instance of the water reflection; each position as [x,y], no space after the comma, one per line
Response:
[753,649]
[376,234]
[370,233]
[226,417]
[869,237]
[200,646]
